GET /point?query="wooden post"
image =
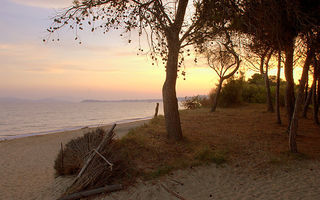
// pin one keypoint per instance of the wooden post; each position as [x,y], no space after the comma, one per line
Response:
[156,110]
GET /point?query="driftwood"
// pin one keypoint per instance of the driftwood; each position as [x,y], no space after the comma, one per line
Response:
[175,181]
[78,195]
[92,155]
[99,154]
[172,192]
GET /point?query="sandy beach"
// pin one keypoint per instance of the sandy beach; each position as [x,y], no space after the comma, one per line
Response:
[298,181]
[26,171]
[26,164]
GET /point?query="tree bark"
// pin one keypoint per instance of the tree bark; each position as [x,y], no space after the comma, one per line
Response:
[267,84]
[216,97]
[297,107]
[308,101]
[306,89]
[278,89]
[170,102]
[288,69]
[318,93]
[315,99]
[315,106]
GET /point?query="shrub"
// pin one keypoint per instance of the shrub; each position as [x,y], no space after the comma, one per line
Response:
[207,155]
[231,93]
[238,91]
[254,93]
[206,102]
[192,102]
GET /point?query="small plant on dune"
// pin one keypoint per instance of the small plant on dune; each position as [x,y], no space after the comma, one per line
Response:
[208,155]
[161,171]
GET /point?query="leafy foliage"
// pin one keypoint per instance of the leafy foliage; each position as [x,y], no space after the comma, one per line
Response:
[195,102]
[154,21]
[238,91]
[231,93]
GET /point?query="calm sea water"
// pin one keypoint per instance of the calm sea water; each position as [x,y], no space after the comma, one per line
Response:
[30,118]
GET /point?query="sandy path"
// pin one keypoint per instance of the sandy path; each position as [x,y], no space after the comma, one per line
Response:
[26,164]
[296,181]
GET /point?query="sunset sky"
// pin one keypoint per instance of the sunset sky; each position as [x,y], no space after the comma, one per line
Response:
[102,67]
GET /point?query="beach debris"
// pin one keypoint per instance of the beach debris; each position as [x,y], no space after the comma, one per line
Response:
[175,181]
[87,193]
[96,159]
[105,141]
[172,192]
[99,154]
[75,153]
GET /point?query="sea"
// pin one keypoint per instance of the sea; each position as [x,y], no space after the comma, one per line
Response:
[23,119]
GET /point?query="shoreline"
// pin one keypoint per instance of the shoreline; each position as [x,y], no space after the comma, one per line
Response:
[74,128]
[26,164]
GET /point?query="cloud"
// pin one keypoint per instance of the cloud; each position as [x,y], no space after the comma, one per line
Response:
[45,3]
[34,58]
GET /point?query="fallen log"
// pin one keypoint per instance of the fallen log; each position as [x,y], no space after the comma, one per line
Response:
[86,193]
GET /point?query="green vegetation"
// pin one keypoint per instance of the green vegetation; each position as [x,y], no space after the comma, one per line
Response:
[238,91]
[207,155]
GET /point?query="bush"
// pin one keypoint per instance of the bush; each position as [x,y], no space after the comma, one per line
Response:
[238,91]
[254,93]
[194,102]
[231,93]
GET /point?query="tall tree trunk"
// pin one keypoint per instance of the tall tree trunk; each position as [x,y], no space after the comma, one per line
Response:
[308,101]
[297,107]
[216,97]
[278,89]
[315,99]
[267,84]
[170,102]
[288,70]
[318,93]
[315,105]
[306,89]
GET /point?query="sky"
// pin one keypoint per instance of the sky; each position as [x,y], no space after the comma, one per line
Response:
[102,67]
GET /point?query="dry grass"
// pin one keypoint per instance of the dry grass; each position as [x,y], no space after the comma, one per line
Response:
[245,136]
[75,152]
